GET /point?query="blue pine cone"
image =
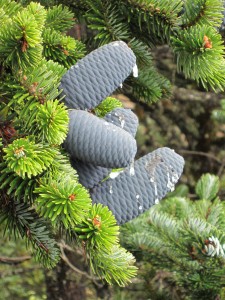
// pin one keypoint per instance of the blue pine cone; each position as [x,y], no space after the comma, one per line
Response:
[96,141]
[97,75]
[98,145]
[89,174]
[140,185]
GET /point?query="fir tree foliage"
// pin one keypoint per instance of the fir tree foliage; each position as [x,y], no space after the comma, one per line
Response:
[61,48]
[185,238]
[150,83]
[113,22]
[159,18]
[118,261]
[41,198]
[59,18]
[22,221]
[189,27]
[16,186]
[31,95]
[24,34]
[64,201]
[52,118]
[201,12]
[207,187]
[58,47]
[99,235]
[99,229]
[107,105]
[200,48]
[20,37]
[26,158]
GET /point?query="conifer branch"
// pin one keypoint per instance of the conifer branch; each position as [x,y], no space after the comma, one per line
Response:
[74,268]
[23,221]
[200,153]
[202,12]
[199,51]
[106,106]
[59,18]
[15,186]
[185,238]
[114,266]
[14,260]
[26,158]
[61,48]
[63,200]
[108,20]
[98,230]
[149,87]
[37,181]
[159,18]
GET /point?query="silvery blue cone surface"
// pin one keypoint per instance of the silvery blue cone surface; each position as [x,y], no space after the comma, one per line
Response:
[90,175]
[100,145]
[96,141]
[140,185]
[123,118]
[97,75]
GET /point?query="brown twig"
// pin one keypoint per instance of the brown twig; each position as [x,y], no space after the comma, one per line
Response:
[14,260]
[220,171]
[211,156]
[63,246]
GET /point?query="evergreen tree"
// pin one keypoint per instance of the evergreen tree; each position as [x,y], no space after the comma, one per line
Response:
[190,28]
[180,235]
[41,198]
[185,240]
[38,185]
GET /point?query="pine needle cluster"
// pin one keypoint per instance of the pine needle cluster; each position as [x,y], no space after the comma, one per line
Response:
[41,198]
[40,192]
[185,238]
[190,28]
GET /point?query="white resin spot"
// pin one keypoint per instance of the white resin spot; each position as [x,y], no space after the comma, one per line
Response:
[175,178]
[140,206]
[135,71]
[116,44]
[172,188]
[122,123]
[121,119]
[110,189]
[156,201]
[113,175]
[121,85]
[170,182]
[156,190]
[132,171]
